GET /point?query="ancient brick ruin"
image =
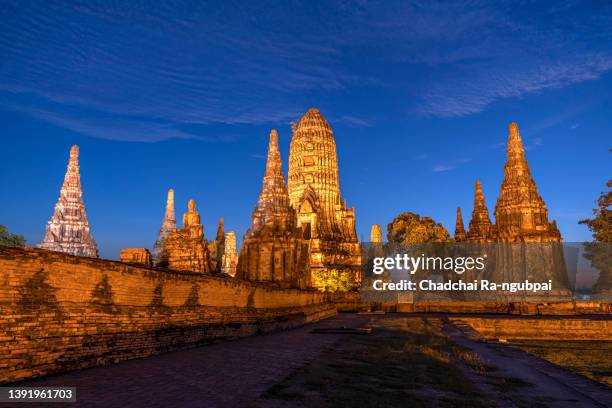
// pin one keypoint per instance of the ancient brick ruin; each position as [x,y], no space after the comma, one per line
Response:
[61,312]
[136,256]
[68,229]
[314,193]
[520,212]
[186,249]
[229,260]
[376,235]
[274,248]
[480,228]
[168,226]
[460,235]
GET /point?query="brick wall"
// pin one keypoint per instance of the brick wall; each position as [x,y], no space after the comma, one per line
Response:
[60,312]
[570,328]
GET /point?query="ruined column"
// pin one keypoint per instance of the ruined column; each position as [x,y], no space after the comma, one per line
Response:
[376,236]
[230,258]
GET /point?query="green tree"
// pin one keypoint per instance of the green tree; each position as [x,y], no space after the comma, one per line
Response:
[8,239]
[601,224]
[599,251]
[409,228]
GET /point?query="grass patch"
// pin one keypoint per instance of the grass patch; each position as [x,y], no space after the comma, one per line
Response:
[589,358]
[404,362]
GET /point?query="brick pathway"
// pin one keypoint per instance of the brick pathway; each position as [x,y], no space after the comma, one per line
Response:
[230,374]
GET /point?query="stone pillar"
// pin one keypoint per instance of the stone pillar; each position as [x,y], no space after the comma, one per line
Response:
[376,235]
[230,258]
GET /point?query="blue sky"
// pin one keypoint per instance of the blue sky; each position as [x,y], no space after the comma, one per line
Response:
[183,95]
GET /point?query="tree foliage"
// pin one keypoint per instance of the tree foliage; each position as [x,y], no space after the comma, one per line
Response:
[8,239]
[601,224]
[599,251]
[334,280]
[409,228]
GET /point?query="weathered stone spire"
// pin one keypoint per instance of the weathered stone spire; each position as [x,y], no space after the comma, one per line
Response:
[376,236]
[460,235]
[220,231]
[273,206]
[480,228]
[168,226]
[314,191]
[274,249]
[217,247]
[230,258]
[520,212]
[68,229]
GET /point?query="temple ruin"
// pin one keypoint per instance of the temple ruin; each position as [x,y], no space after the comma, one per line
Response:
[480,228]
[520,212]
[314,193]
[274,248]
[460,235]
[168,226]
[185,249]
[376,235]
[68,229]
[229,261]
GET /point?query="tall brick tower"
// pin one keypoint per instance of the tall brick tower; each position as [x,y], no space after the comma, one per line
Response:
[68,229]
[314,192]
[460,235]
[520,213]
[480,228]
[274,249]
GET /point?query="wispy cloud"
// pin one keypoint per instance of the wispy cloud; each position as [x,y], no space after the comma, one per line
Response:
[353,121]
[450,165]
[505,51]
[160,66]
[533,143]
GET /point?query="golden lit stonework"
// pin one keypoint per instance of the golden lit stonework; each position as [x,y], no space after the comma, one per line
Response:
[68,229]
[314,192]
[274,248]
[186,249]
[520,212]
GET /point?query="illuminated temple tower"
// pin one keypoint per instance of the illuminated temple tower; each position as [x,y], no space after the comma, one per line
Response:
[68,229]
[274,249]
[376,235]
[527,245]
[480,228]
[314,192]
[520,212]
[460,235]
[168,226]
